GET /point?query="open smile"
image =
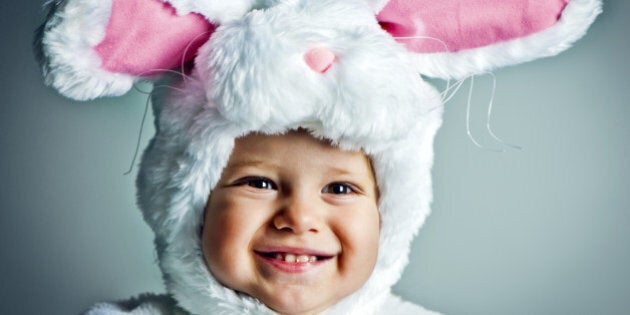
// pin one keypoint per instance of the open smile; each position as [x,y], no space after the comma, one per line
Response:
[292,261]
[293,258]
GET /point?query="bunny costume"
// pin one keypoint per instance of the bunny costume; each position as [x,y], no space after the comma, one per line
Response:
[347,71]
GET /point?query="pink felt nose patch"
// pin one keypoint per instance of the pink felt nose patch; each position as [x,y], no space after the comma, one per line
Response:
[319,59]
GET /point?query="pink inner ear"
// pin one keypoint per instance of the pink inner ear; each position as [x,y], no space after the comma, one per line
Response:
[146,37]
[465,24]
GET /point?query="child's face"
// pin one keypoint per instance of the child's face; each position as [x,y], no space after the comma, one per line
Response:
[293,222]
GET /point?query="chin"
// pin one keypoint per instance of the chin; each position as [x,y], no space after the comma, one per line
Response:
[290,304]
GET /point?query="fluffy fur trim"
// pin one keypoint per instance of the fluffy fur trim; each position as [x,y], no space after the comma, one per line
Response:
[242,88]
[577,16]
[64,48]
[145,304]
[149,304]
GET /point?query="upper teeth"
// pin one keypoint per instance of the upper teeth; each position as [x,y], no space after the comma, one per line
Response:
[295,258]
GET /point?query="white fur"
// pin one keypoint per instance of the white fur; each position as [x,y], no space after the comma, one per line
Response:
[377,5]
[163,305]
[69,63]
[576,18]
[216,11]
[146,304]
[219,11]
[261,87]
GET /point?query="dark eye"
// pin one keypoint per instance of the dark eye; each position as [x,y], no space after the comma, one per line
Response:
[338,189]
[257,182]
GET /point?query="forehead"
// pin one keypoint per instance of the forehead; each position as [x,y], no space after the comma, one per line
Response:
[295,146]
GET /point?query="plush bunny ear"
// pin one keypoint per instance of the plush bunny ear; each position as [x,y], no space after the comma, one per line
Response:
[93,48]
[457,38]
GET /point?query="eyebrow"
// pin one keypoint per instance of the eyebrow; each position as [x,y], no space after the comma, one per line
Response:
[251,162]
[338,170]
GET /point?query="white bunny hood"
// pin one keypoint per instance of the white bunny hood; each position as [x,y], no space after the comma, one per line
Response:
[331,67]
[392,119]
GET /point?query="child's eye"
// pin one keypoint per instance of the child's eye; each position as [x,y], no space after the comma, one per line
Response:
[338,189]
[257,182]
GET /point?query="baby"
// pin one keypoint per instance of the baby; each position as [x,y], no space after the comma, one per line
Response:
[293,221]
[291,165]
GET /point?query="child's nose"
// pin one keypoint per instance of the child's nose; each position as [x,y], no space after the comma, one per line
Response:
[299,214]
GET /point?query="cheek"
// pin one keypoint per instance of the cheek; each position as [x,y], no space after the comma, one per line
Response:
[228,231]
[359,234]
[371,236]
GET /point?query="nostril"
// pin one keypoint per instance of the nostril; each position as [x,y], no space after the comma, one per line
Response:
[319,59]
[280,223]
[296,220]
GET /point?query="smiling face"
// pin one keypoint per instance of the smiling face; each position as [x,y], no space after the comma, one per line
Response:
[292,222]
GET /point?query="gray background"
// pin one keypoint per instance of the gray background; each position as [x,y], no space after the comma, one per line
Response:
[543,230]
